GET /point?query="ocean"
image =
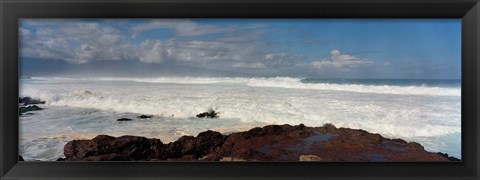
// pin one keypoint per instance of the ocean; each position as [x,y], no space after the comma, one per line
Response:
[427,111]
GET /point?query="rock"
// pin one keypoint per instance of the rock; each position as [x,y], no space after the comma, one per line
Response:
[451,158]
[108,148]
[210,114]
[124,119]
[20,158]
[269,143]
[22,110]
[29,100]
[61,159]
[309,158]
[288,143]
[262,144]
[143,116]
[231,159]
[199,146]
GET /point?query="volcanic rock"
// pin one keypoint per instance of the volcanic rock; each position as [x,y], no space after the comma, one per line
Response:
[29,100]
[270,143]
[108,148]
[124,119]
[143,116]
[22,110]
[209,114]
[449,157]
[309,158]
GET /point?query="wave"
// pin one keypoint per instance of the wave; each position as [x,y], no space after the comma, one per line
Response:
[171,80]
[294,83]
[283,82]
[267,105]
[417,113]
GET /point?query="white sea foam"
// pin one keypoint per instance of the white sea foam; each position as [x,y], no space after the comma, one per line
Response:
[422,114]
[281,82]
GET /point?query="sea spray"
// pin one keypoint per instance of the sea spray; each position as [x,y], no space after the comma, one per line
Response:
[426,114]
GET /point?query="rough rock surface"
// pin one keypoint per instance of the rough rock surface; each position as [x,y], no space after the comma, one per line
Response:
[210,114]
[110,148]
[143,116]
[309,158]
[22,110]
[124,119]
[29,100]
[270,143]
[125,148]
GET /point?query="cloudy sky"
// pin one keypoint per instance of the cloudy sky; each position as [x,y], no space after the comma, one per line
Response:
[330,48]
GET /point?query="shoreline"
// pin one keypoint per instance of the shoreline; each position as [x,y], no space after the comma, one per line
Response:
[298,143]
[270,143]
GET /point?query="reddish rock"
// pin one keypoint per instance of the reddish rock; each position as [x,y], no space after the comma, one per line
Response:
[270,143]
[204,143]
[108,148]
[103,147]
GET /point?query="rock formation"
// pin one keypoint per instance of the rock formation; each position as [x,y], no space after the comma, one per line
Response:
[270,143]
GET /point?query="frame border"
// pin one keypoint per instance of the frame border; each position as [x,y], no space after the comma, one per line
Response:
[12,10]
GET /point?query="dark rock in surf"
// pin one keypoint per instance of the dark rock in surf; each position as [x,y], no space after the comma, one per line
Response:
[209,114]
[143,116]
[29,100]
[124,119]
[22,110]
[20,158]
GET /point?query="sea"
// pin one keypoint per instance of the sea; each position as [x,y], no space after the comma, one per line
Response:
[427,111]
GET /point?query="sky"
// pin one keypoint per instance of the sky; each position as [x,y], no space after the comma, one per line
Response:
[326,48]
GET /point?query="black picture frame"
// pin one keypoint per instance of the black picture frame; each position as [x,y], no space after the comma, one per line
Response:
[12,10]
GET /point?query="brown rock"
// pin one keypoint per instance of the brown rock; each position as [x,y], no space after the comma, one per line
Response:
[231,159]
[103,147]
[270,143]
[309,158]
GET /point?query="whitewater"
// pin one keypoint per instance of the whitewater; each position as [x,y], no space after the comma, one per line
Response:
[81,108]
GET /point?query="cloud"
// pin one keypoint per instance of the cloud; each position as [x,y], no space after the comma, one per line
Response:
[249,65]
[152,51]
[76,42]
[80,42]
[181,27]
[340,61]
[283,60]
[24,32]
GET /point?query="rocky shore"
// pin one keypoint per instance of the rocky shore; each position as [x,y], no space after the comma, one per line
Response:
[269,143]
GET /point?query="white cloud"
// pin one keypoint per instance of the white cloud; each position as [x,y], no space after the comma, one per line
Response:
[81,42]
[151,51]
[340,61]
[25,32]
[269,56]
[181,27]
[283,59]
[249,65]
[76,42]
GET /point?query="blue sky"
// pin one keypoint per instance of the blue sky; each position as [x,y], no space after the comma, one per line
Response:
[330,48]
